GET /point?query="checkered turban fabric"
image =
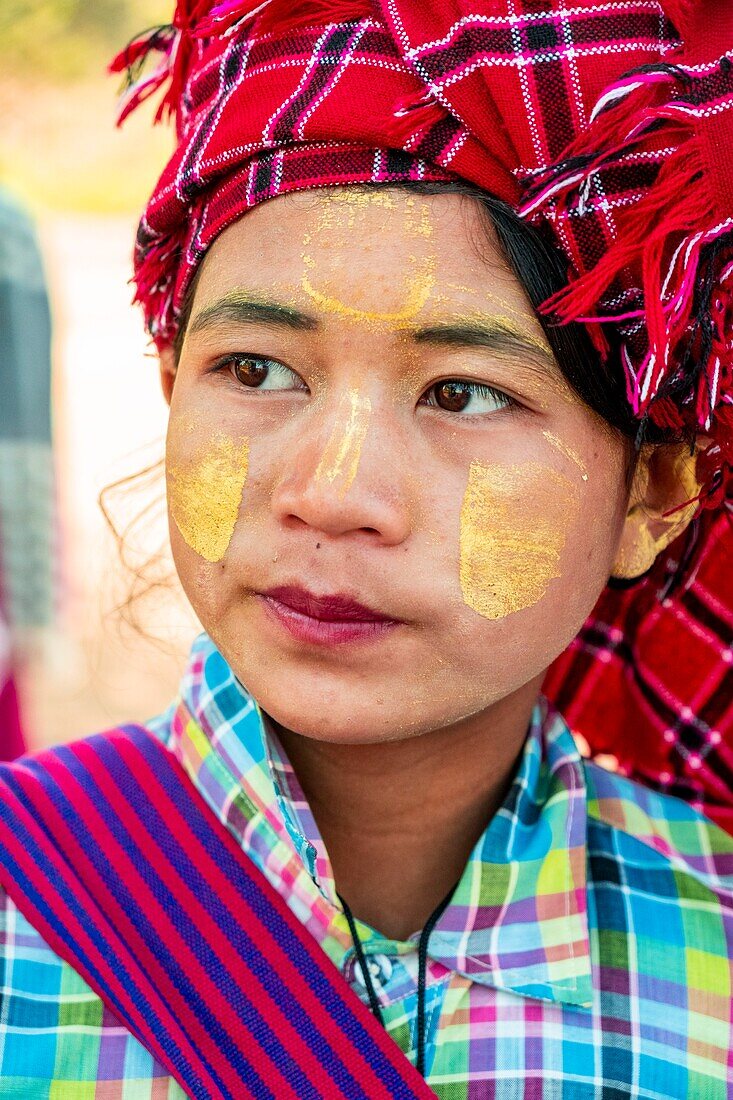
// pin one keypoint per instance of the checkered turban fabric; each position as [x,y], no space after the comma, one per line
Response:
[610,122]
[649,679]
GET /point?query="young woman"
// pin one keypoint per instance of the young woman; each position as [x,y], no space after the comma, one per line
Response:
[360,855]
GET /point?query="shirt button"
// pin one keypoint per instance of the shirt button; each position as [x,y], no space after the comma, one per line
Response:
[380,970]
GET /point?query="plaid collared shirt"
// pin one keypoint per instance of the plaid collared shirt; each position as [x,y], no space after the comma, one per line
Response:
[585,953]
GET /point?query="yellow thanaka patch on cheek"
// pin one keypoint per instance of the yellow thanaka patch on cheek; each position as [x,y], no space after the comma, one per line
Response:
[205,490]
[514,523]
[340,460]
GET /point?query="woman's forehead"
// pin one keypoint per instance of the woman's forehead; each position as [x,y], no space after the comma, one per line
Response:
[368,254]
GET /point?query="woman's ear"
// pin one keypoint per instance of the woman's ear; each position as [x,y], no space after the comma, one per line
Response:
[663,500]
[167,371]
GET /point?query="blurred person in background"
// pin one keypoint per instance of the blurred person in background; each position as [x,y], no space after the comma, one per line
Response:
[28,533]
[442,298]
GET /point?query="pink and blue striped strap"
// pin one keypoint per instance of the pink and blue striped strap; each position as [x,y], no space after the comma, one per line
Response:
[112,854]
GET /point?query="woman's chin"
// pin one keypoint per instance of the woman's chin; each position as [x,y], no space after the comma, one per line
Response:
[348,721]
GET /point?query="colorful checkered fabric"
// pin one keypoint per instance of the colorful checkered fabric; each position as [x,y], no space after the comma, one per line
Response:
[585,954]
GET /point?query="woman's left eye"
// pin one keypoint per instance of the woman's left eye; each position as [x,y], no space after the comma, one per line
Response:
[258,373]
[457,395]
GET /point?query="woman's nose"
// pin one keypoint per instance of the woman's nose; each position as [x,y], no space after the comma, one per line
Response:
[346,475]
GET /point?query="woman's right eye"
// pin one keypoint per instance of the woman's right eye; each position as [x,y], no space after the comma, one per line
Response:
[257,373]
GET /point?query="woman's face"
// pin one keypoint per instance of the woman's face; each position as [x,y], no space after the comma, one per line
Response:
[366,412]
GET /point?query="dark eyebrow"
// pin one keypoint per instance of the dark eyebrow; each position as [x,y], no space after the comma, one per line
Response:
[495,333]
[238,309]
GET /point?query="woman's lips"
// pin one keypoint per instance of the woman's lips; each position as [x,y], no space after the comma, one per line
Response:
[324,620]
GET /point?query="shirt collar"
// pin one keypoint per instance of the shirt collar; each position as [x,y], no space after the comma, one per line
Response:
[518,919]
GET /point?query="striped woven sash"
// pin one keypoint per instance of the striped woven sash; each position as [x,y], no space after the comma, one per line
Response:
[111,853]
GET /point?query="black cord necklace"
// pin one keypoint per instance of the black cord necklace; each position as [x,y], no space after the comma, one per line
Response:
[422,962]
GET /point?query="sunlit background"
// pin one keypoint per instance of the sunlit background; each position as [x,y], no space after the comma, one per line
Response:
[84,182]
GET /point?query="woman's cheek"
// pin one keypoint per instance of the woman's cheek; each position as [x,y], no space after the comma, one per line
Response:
[514,525]
[205,483]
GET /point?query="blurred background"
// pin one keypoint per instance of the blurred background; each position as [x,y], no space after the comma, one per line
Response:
[89,637]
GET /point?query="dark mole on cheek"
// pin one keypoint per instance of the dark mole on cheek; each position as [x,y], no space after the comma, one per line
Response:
[318,546]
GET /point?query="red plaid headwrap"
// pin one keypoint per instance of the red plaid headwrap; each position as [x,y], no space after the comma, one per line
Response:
[609,120]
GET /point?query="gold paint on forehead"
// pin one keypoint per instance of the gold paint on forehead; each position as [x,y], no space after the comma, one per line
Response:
[344,207]
[488,295]
[419,288]
[340,460]
[424,226]
[205,491]
[345,204]
[514,522]
[339,215]
[362,197]
[574,457]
